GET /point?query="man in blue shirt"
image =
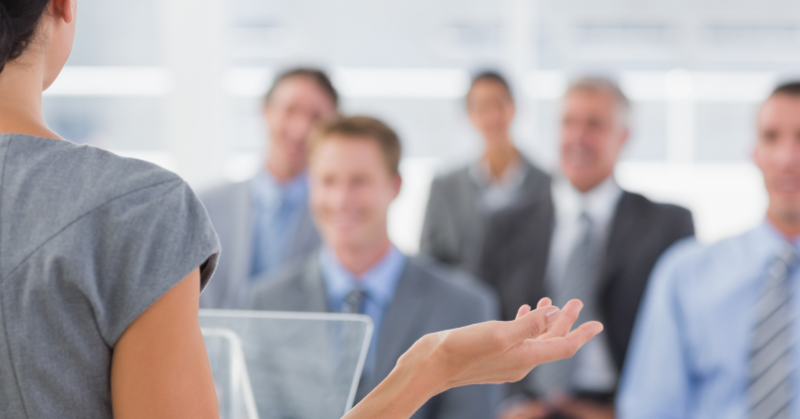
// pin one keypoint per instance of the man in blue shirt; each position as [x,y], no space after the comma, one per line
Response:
[717,336]
[354,178]
[264,222]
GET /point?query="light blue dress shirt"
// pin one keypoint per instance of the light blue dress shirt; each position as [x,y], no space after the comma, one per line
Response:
[689,354]
[379,283]
[277,209]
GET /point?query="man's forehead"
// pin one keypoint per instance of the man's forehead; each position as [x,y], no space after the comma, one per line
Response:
[300,87]
[582,96]
[347,146]
[780,108]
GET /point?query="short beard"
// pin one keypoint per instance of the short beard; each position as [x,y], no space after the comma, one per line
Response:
[789,216]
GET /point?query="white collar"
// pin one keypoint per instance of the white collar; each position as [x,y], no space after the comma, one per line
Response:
[599,203]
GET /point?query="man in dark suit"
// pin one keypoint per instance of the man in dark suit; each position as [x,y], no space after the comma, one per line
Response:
[354,178]
[461,201]
[590,240]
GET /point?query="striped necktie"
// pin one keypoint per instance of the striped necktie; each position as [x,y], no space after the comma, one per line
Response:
[771,357]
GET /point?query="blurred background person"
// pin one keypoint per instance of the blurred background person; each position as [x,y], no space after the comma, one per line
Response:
[592,241]
[264,222]
[461,201]
[718,331]
[354,178]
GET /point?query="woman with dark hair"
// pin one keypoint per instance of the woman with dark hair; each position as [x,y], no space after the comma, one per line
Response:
[102,260]
[461,202]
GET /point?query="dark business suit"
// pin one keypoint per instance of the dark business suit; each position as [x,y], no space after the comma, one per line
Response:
[429,298]
[518,248]
[454,228]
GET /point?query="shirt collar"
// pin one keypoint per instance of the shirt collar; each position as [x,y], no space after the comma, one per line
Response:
[600,202]
[774,241]
[379,282]
[512,178]
[268,190]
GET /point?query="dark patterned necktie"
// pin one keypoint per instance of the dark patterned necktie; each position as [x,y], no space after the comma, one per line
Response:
[579,280]
[771,357]
[354,302]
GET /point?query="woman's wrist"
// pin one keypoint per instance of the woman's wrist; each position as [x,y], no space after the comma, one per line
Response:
[416,378]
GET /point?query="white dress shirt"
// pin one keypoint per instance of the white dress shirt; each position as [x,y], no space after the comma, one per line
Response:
[595,371]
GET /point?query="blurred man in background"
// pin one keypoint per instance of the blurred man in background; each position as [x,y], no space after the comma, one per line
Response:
[591,241]
[354,176]
[264,222]
[718,331]
[461,201]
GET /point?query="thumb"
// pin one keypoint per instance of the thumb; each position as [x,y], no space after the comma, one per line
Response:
[533,324]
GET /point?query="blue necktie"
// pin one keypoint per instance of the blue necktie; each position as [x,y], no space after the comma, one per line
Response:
[771,351]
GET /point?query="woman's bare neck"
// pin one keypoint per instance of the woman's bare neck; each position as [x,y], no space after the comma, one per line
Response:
[21,98]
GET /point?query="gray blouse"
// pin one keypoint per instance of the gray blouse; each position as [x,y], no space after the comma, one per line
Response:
[88,241]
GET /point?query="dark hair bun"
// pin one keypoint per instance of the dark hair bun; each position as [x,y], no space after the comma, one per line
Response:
[19,20]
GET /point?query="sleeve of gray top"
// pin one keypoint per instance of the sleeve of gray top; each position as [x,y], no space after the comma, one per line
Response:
[142,244]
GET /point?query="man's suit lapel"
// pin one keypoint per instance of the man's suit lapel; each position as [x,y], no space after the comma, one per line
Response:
[405,314]
[515,258]
[240,252]
[468,217]
[312,296]
[305,238]
[623,225]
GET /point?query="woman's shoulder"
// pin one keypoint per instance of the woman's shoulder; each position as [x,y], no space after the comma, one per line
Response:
[47,186]
[76,170]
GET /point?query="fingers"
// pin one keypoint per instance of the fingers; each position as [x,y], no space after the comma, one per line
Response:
[544,302]
[525,309]
[532,324]
[564,347]
[568,317]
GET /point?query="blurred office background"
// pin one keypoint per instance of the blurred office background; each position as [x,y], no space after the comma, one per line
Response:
[179,83]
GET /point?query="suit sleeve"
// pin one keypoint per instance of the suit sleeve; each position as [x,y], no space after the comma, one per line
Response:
[428,239]
[684,224]
[656,379]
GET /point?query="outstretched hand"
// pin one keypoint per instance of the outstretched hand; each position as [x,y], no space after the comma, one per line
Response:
[484,353]
[500,352]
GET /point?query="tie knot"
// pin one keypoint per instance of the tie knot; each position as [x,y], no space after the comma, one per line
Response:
[786,260]
[789,255]
[354,301]
[585,221]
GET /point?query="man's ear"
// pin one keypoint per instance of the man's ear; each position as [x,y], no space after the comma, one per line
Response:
[756,155]
[398,185]
[63,9]
[626,135]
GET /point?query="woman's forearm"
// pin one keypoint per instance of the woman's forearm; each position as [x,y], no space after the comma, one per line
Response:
[413,381]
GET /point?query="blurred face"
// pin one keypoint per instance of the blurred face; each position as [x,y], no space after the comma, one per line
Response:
[490,109]
[592,136]
[58,28]
[297,105]
[351,190]
[777,154]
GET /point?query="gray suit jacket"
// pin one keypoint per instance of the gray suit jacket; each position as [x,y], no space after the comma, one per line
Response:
[429,298]
[230,208]
[455,224]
